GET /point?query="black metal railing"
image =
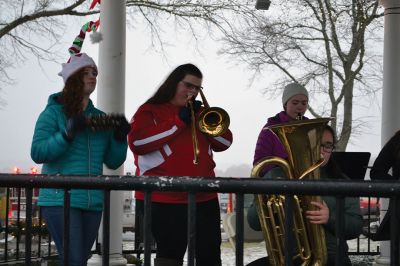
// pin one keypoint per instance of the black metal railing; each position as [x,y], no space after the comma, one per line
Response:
[239,186]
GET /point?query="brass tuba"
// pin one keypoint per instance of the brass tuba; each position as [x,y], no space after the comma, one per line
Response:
[212,121]
[302,140]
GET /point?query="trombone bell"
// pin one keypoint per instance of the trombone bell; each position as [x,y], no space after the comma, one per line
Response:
[214,121]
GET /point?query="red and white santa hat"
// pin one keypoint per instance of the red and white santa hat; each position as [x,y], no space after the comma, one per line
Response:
[77,59]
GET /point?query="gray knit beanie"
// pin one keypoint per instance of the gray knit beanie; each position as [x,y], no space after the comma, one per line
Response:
[291,90]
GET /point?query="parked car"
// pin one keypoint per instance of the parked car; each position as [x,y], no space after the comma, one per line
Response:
[374,206]
[223,202]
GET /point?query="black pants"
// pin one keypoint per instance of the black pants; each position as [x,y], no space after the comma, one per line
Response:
[169,228]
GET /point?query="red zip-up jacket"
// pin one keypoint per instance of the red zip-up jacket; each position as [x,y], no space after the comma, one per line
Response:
[162,146]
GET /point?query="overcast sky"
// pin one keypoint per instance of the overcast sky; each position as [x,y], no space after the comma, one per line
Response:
[225,84]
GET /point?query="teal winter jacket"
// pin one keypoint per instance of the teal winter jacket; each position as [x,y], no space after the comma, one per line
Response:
[84,155]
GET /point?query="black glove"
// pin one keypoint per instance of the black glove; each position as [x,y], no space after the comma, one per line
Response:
[122,129]
[74,125]
[185,113]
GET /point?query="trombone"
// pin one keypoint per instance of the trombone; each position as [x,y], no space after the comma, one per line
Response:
[212,121]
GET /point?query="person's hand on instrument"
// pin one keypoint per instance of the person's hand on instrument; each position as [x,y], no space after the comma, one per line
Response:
[185,114]
[123,128]
[74,125]
[319,216]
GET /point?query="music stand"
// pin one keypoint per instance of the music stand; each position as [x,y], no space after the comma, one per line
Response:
[352,164]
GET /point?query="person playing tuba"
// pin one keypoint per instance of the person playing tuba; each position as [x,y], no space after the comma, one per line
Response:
[295,104]
[325,213]
[318,212]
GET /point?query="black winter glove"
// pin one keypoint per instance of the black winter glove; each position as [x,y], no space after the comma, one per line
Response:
[185,113]
[74,125]
[196,106]
[122,129]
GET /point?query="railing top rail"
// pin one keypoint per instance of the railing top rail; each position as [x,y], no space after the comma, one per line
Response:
[236,185]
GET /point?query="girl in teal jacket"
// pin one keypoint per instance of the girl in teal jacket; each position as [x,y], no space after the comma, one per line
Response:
[65,145]
[82,155]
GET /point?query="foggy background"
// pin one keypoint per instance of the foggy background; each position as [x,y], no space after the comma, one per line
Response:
[226,85]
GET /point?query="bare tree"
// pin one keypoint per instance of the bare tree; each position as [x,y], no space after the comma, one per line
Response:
[36,26]
[319,43]
[326,45]
[202,15]
[32,27]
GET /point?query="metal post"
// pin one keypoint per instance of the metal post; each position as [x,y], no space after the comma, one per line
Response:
[66,226]
[106,229]
[289,238]
[111,99]
[147,240]
[28,222]
[191,228]
[339,227]
[239,228]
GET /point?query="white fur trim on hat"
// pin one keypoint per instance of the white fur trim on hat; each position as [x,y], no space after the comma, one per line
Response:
[291,90]
[75,63]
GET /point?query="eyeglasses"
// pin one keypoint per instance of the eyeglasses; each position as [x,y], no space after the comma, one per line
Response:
[191,85]
[327,147]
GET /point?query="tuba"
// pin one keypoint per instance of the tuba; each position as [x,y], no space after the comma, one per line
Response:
[302,140]
[212,121]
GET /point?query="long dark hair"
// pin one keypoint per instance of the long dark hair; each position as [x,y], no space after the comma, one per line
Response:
[168,88]
[332,167]
[72,94]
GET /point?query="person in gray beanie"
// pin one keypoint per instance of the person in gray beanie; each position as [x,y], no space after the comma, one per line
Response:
[291,90]
[295,104]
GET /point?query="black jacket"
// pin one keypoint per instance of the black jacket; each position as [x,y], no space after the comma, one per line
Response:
[389,157]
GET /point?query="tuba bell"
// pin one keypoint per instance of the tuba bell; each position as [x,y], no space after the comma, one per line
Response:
[302,140]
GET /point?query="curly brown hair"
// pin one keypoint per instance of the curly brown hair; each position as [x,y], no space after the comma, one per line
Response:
[72,94]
